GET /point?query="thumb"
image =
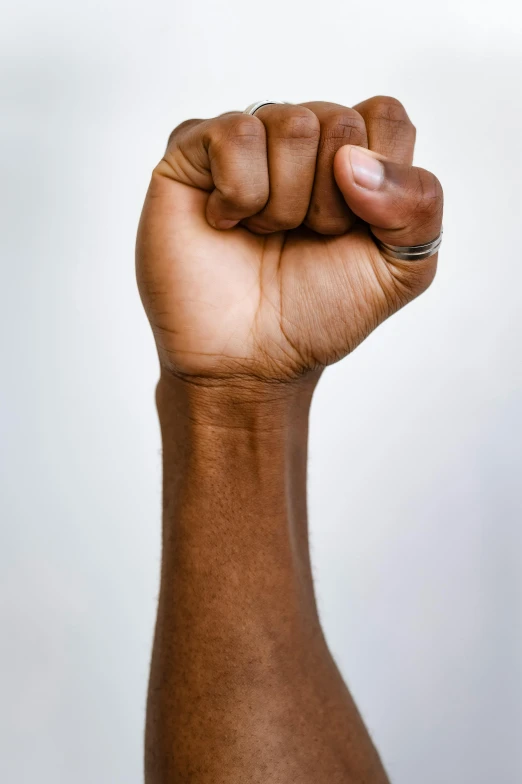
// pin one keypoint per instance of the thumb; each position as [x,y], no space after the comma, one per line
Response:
[401,203]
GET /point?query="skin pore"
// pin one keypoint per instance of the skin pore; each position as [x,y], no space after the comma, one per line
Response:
[257,268]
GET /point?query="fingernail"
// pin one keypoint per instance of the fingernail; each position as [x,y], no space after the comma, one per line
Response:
[368,172]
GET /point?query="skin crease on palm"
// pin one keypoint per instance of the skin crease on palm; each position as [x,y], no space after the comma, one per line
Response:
[297,285]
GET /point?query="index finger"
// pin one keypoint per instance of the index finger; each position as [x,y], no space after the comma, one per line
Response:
[226,156]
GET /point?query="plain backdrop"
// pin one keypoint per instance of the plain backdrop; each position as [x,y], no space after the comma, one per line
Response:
[415,467]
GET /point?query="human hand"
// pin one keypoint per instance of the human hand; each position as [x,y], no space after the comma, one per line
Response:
[254,254]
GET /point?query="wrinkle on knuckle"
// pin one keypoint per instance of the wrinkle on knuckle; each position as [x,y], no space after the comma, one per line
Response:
[385,109]
[301,124]
[427,195]
[244,130]
[348,126]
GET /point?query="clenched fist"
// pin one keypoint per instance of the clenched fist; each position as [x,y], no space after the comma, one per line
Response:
[256,255]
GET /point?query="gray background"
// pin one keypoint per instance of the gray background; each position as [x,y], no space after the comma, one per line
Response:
[416,459]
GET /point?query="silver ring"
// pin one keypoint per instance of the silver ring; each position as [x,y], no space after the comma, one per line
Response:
[409,252]
[252,109]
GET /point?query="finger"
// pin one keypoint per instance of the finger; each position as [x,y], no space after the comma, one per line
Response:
[390,130]
[403,204]
[328,212]
[292,139]
[226,156]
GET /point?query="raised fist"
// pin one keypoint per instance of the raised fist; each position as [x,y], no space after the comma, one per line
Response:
[256,254]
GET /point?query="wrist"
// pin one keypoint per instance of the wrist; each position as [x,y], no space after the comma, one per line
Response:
[250,405]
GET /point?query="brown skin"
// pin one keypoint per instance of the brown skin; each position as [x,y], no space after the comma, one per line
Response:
[257,268]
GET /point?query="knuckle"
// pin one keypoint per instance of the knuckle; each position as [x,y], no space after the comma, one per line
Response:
[244,129]
[388,109]
[428,196]
[301,123]
[255,200]
[181,129]
[244,194]
[347,125]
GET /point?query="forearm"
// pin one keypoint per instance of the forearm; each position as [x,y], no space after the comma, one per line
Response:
[242,684]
